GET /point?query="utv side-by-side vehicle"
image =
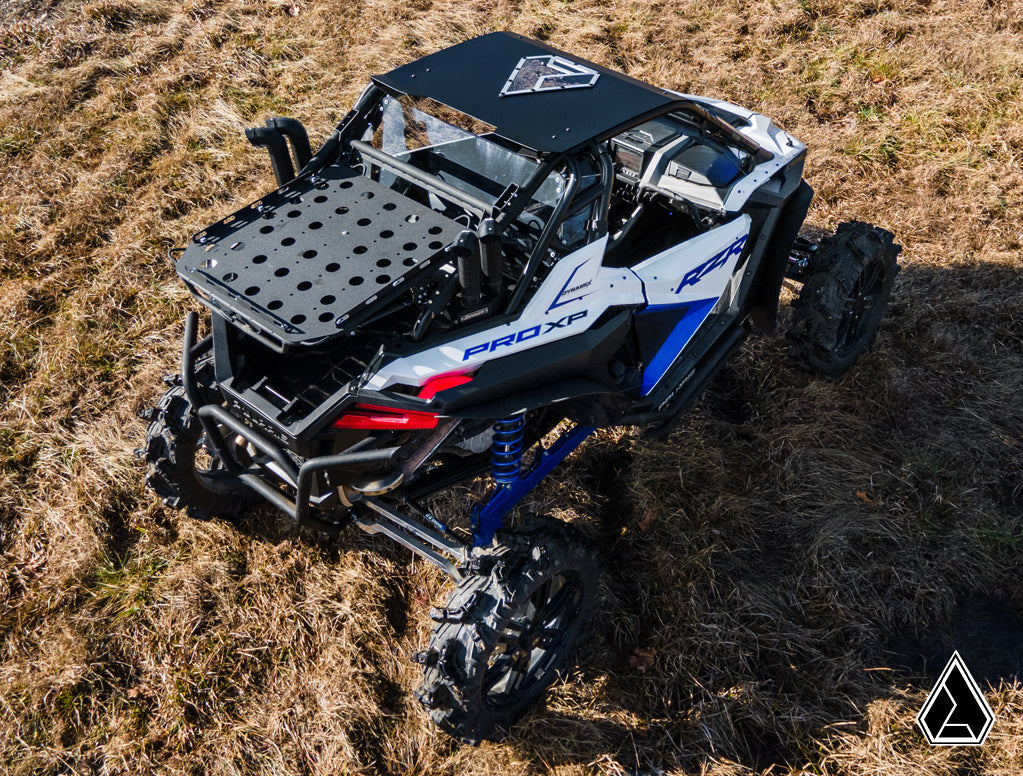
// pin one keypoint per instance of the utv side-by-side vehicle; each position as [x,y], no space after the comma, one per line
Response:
[498,241]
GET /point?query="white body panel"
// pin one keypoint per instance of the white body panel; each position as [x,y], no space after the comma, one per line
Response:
[574,294]
[764,133]
[578,289]
[696,269]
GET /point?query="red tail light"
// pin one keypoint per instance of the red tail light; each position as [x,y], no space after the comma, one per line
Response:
[435,385]
[370,417]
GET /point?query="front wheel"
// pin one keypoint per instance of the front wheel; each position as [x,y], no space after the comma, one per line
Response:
[509,630]
[848,282]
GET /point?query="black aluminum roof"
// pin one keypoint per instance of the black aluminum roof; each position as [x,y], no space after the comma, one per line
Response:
[471,76]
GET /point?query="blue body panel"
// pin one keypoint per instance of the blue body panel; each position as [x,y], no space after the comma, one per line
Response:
[693,315]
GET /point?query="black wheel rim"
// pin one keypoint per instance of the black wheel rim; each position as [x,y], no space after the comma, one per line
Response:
[534,638]
[210,469]
[857,323]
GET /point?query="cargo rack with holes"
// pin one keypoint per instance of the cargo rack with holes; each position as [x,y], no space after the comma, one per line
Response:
[313,259]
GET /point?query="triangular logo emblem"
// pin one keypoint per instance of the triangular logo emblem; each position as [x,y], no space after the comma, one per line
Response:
[956,711]
[548,73]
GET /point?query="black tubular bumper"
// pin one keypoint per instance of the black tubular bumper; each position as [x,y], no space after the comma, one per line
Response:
[212,416]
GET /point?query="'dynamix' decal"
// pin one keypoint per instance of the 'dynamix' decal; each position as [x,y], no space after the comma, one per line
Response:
[571,292]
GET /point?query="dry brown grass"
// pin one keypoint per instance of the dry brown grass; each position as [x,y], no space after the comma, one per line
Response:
[774,602]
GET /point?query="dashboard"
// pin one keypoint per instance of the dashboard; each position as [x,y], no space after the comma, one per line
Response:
[673,155]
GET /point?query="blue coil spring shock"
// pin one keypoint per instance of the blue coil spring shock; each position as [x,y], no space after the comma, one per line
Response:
[506,449]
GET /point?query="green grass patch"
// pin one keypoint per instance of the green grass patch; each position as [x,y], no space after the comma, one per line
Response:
[119,15]
[125,589]
[103,354]
[1004,536]
[17,142]
[18,451]
[256,103]
[883,151]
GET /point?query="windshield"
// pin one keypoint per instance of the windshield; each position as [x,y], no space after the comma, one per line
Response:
[458,149]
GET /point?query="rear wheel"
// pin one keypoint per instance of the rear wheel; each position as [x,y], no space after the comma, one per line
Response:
[848,283]
[509,630]
[182,468]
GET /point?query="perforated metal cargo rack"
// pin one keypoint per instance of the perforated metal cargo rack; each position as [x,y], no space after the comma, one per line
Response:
[312,259]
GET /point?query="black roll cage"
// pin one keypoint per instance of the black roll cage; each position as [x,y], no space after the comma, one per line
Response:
[367,112]
[508,206]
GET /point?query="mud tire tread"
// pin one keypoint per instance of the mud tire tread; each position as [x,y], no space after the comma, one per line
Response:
[831,276]
[172,441]
[456,659]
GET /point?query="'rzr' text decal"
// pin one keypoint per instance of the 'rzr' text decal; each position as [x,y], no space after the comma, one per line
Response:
[698,273]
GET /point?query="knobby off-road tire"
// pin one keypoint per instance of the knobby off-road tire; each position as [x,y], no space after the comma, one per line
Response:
[848,282]
[181,468]
[509,630]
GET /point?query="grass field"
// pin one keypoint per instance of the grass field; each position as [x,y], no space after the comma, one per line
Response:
[785,575]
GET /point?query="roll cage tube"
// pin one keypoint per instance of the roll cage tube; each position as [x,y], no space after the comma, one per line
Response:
[361,118]
[596,228]
[598,193]
[548,232]
[353,124]
[420,177]
[366,115]
[757,154]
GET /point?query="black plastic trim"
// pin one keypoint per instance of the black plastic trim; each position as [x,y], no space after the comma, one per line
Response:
[696,381]
[775,262]
[570,367]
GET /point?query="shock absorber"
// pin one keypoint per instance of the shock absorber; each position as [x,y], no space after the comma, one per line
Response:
[506,449]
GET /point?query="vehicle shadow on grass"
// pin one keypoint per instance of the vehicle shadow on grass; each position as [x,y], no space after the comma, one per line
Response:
[799,549]
[756,683]
[987,633]
[809,546]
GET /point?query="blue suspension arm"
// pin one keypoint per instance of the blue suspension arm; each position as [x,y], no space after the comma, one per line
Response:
[488,518]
